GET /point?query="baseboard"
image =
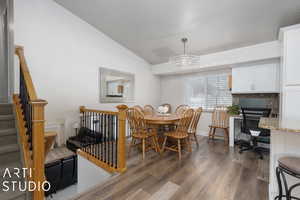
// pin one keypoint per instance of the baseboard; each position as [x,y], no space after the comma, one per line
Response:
[202,133]
[271,193]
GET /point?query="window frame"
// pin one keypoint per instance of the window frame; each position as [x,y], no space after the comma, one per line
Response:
[207,105]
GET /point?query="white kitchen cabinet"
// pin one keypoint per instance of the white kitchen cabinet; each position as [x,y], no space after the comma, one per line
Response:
[256,78]
[291,58]
[290,87]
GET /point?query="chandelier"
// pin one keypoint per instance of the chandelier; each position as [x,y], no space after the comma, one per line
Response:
[185,59]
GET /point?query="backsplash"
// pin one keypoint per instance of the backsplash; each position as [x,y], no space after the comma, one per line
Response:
[263,100]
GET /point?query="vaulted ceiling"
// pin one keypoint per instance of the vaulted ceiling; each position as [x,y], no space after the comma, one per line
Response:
[153,28]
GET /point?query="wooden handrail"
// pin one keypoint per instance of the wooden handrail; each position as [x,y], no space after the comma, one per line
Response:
[31,125]
[112,140]
[83,109]
[19,51]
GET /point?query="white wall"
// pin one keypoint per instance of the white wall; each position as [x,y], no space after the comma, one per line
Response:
[173,92]
[64,53]
[90,175]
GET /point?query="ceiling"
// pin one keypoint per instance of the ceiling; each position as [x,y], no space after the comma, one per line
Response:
[153,28]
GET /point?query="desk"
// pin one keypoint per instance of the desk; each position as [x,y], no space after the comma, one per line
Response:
[284,142]
[233,126]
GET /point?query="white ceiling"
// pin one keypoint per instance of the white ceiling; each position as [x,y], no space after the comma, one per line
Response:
[153,28]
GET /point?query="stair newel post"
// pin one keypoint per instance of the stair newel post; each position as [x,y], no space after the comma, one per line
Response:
[81,109]
[38,145]
[122,137]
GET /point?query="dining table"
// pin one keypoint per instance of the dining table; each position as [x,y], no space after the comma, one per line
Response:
[159,121]
[162,119]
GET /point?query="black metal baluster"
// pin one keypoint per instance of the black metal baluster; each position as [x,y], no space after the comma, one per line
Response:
[116,143]
[94,131]
[107,139]
[112,141]
[104,152]
[96,135]
[99,134]
[102,137]
[83,125]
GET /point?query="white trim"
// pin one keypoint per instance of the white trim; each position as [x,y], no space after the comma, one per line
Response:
[284,29]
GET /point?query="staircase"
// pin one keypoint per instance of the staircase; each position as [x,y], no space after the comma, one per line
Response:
[10,156]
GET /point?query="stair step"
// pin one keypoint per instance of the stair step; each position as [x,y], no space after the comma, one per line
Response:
[9,154]
[9,148]
[10,195]
[6,132]
[7,122]
[6,117]
[11,168]
[6,109]
[8,159]
[13,195]
[8,139]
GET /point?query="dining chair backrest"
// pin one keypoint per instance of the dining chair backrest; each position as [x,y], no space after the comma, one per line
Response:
[195,120]
[139,108]
[168,106]
[149,110]
[185,121]
[136,120]
[181,109]
[220,117]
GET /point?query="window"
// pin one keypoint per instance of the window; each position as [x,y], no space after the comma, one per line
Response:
[208,91]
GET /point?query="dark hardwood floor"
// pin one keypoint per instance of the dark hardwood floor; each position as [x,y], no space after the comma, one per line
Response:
[211,172]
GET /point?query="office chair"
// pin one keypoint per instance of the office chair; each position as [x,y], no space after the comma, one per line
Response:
[251,117]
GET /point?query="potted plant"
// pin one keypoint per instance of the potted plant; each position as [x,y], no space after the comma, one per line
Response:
[233,110]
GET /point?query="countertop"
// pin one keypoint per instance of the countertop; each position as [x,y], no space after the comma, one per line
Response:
[274,124]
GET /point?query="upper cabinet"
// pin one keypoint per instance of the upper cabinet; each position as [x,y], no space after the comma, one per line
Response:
[256,78]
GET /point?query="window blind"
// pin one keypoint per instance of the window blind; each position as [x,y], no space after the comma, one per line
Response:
[207,91]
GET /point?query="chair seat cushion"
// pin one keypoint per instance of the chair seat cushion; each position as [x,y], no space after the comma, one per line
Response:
[291,163]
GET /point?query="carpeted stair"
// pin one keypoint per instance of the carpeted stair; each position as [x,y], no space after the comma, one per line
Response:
[9,153]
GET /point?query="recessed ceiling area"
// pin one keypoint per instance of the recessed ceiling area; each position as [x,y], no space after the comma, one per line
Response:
[152,29]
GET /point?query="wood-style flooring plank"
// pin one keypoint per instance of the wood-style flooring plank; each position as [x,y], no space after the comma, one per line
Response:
[138,195]
[165,192]
[213,171]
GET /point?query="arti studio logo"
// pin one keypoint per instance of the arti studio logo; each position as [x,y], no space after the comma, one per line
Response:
[14,179]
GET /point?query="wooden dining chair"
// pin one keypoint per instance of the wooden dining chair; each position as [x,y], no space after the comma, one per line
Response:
[140,131]
[149,110]
[180,133]
[220,120]
[193,126]
[139,108]
[168,106]
[181,109]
